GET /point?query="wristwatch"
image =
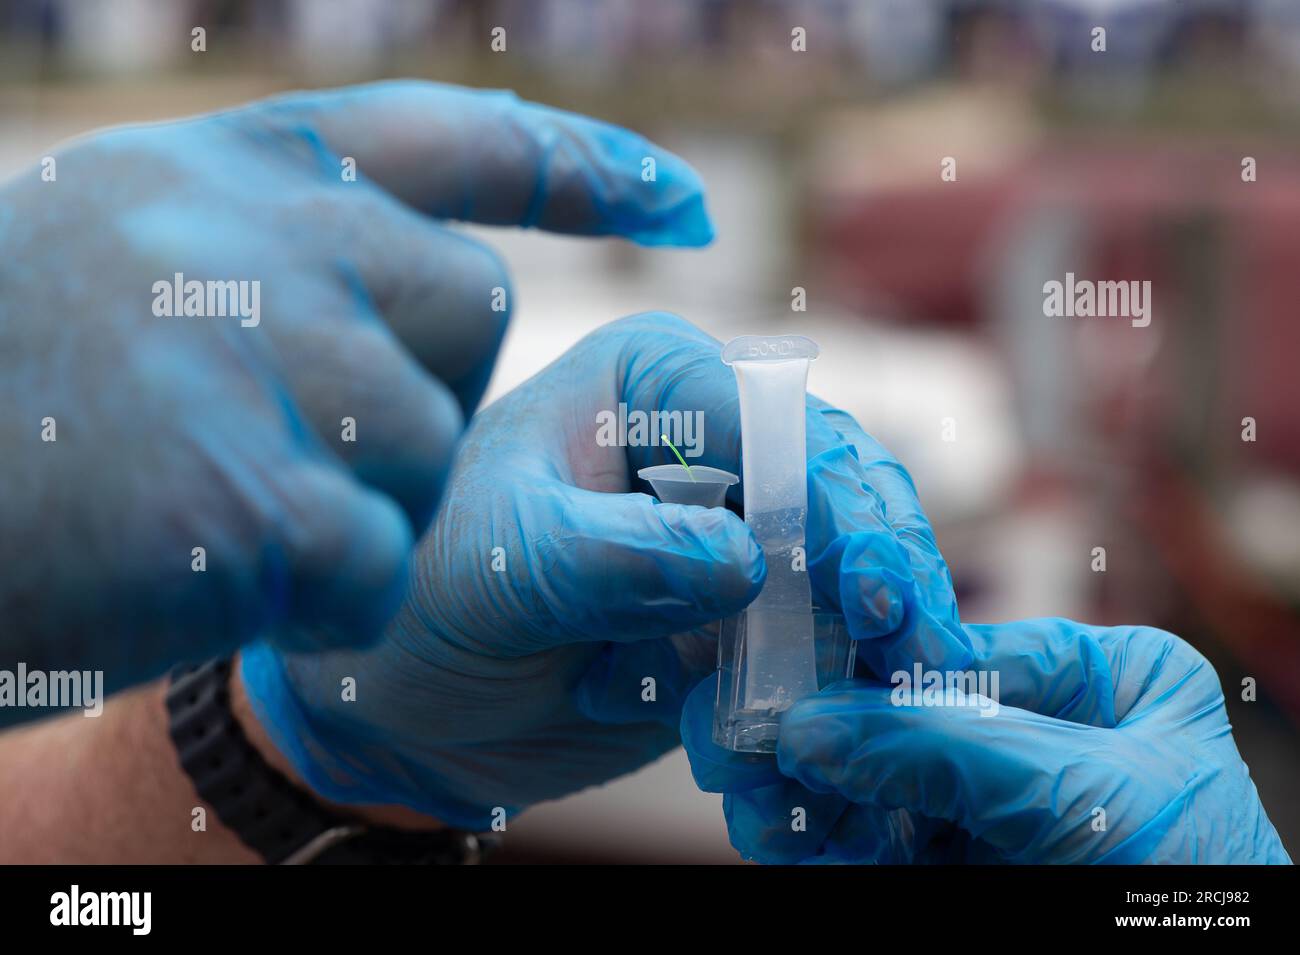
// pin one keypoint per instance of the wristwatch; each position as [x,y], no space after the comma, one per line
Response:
[276,819]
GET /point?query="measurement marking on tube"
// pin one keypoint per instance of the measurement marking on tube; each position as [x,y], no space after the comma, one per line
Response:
[781,346]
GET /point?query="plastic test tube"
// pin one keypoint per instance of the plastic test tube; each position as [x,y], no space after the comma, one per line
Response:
[776,630]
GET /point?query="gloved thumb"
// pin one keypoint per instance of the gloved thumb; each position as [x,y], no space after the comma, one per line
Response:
[623,567]
[1011,778]
[715,769]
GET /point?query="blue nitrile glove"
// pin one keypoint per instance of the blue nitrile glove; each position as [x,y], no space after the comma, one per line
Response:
[1107,745]
[227,433]
[517,675]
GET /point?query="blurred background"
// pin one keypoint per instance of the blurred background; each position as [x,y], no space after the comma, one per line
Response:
[823,169]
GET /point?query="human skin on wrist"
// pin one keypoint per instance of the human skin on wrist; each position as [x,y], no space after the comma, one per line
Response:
[111,790]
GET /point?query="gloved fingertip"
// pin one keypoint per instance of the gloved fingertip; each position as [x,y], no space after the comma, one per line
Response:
[375,581]
[868,574]
[820,732]
[686,225]
[715,769]
[670,203]
[727,569]
[759,822]
[873,602]
[344,592]
[718,770]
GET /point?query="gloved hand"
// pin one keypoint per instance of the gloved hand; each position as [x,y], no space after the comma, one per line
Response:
[548,587]
[1108,745]
[227,433]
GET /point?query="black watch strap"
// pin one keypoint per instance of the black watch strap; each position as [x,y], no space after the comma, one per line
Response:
[272,816]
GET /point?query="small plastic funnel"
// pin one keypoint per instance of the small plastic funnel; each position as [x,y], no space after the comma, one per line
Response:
[673,484]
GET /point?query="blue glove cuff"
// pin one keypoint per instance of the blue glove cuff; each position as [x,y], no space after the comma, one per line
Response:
[330,773]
